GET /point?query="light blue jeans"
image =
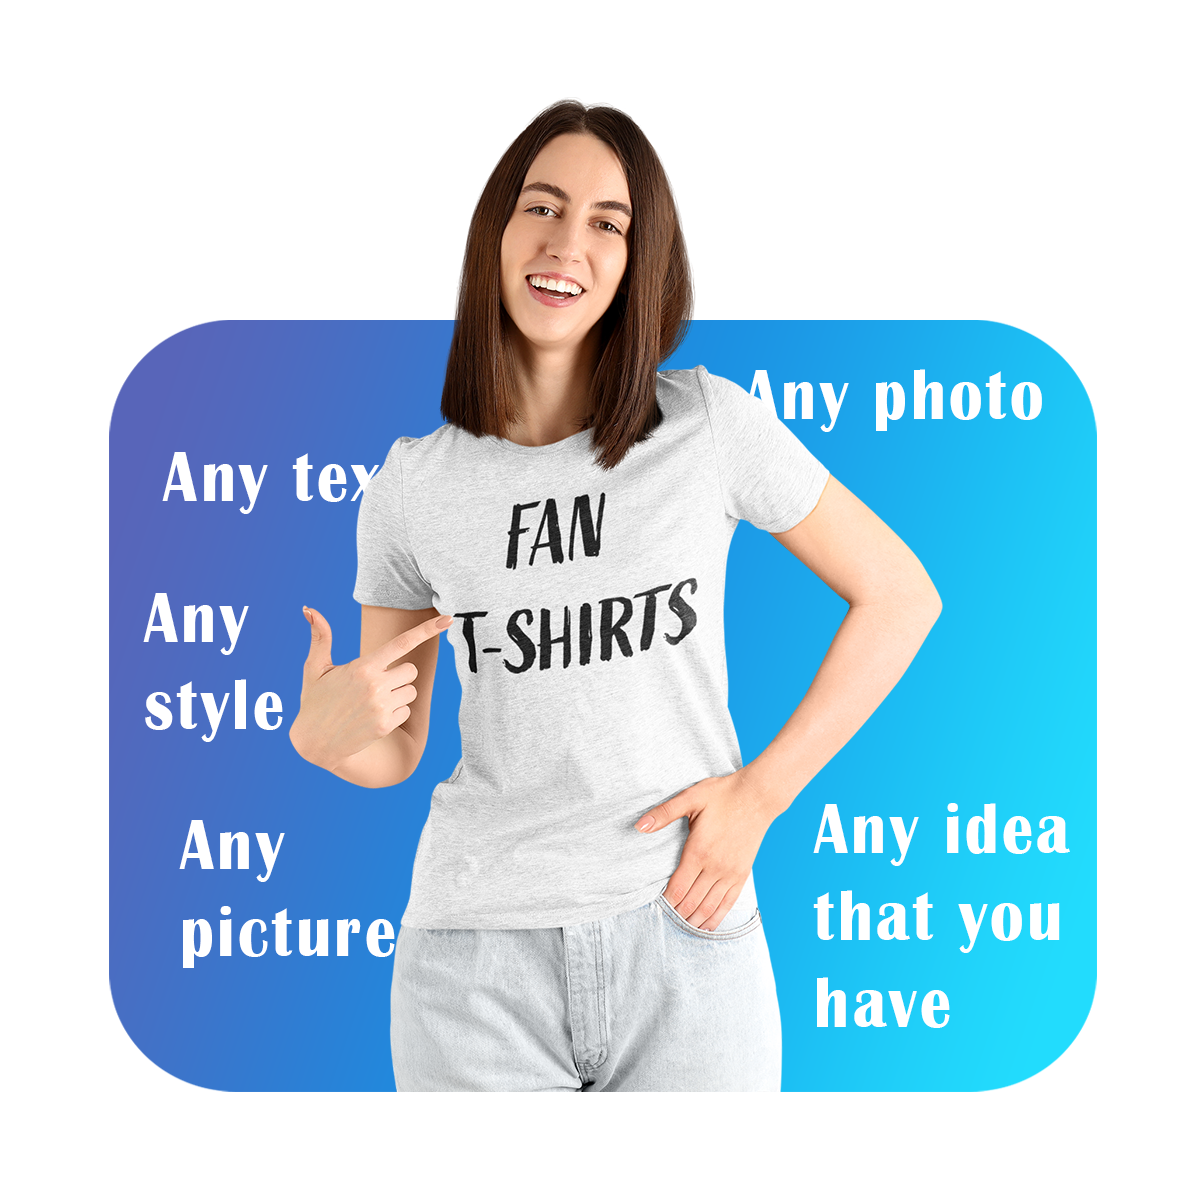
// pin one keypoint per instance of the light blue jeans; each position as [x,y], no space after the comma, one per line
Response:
[639,1002]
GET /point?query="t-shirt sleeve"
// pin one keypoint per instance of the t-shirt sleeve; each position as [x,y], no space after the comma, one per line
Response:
[768,476]
[388,574]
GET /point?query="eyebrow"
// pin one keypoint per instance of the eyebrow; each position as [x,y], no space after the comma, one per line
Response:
[551,190]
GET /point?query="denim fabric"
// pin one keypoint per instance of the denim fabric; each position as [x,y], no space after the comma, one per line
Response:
[639,1002]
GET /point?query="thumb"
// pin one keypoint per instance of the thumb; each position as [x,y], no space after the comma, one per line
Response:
[662,815]
[320,651]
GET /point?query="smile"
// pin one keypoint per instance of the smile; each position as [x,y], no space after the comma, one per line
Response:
[554,287]
[546,291]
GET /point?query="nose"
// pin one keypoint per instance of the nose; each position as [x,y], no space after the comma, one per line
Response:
[566,240]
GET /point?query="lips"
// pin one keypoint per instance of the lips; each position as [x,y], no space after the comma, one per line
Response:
[555,291]
[555,284]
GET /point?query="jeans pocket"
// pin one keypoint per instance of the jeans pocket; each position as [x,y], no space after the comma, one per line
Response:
[717,935]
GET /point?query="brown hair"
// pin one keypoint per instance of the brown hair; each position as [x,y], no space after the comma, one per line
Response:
[643,325]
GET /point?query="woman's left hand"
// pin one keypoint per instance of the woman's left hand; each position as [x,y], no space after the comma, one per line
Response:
[727,818]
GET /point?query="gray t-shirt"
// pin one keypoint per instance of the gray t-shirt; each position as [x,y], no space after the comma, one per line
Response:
[589,641]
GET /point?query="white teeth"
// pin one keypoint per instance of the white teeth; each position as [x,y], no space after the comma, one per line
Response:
[555,285]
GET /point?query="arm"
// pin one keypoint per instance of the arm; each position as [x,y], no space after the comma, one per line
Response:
[893,605]
[366,721]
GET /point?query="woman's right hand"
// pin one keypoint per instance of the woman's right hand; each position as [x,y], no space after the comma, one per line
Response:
[344,709]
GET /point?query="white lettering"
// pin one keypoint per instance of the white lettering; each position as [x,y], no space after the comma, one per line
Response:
[1023,394]
[161,608]
[969,920]
[233,626]
[270,853]
[363,476]
[179,479]
[251,484]
[194,948]
[833,404]
[199,840]
[885,411]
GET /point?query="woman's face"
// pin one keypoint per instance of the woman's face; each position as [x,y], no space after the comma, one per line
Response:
[565,247]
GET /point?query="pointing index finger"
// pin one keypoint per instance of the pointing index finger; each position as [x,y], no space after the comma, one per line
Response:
[404,643]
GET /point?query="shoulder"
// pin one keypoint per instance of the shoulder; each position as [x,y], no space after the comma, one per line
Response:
[682,386]
[701,393]
[418,449]
[684,393]
[409,462]
[414,456]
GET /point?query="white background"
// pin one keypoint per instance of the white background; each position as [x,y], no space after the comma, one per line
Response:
[169,164]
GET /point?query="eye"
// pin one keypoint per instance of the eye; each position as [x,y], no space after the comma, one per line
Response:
[540,210]
[607,227]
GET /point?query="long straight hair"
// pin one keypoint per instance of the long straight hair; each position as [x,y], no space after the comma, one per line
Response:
[644,324]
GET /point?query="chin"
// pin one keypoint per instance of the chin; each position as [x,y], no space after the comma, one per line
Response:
[549,335]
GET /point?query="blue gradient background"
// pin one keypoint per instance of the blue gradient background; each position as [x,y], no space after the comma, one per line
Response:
[999,706]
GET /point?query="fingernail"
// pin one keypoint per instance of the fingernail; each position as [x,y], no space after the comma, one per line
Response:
[307,615]
[645,824]
[444,622]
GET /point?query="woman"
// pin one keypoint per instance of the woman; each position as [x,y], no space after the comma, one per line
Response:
[582,912]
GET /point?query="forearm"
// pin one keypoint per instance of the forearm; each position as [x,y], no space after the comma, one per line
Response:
[388,761]
[893,605]
[870,652]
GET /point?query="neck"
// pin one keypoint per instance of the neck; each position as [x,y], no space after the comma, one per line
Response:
[552,389]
